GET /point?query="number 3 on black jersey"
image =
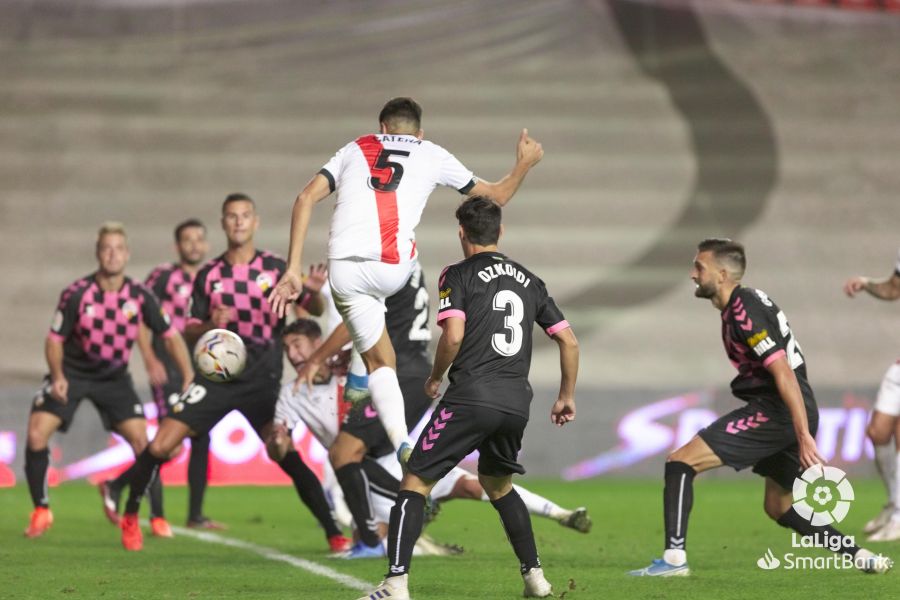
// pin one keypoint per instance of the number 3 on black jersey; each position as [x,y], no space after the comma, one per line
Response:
[508,342]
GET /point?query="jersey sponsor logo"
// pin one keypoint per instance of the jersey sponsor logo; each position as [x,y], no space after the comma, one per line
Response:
[445,303]
[184,290]
[264,281]
[444,293]
[57,323]
[129,309]
[217,287]
[497,270]
[758,338]
[763,346]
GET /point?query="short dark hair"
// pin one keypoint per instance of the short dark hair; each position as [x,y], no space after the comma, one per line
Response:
[306,327]
[187,224]
[237,197]
[726,251]
[480,218]
[400,110]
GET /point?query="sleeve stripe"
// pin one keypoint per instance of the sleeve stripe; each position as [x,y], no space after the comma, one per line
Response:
[327,175]
[52,335]
[772,358]
[169,332]
[558,327]
[193,321]
[468,187]
[453,312]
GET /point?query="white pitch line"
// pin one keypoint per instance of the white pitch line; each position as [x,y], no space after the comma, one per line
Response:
[272,554]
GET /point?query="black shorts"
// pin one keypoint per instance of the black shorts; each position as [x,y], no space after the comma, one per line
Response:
[758,436]
[206,403]
[362,421]
[116,400]
[166,396]
[456,430]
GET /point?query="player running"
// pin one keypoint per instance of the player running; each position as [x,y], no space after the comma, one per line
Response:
[321,408]
[773,433]
[488,304]
[383,182]
[884,423]
[172,284]
[231,292]
[88,347]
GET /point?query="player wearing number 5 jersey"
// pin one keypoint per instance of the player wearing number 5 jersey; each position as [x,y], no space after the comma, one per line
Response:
[488,306]
[382,183]
[773,432]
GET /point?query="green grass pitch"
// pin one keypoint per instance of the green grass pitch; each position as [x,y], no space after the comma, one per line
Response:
[81,556]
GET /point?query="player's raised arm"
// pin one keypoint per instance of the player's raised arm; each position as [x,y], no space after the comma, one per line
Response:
[789,389]
[291,283]
[454,329]
[563,409]
[528,153]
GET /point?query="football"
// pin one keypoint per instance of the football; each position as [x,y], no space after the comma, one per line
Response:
[220,355]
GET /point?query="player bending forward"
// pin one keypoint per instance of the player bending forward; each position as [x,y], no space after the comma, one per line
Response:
[322,410]
[773,433]
[488,306]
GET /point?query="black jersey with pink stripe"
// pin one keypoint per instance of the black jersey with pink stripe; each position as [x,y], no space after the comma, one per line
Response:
[756,333]
[98,328]
[500,301]
[246,289]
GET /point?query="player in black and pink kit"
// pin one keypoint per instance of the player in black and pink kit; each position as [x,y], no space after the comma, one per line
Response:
[231,292]
[488,306]
[88,347]
[774,432]
[172,284]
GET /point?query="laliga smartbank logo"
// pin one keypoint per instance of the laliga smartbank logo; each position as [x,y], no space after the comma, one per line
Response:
[821,495]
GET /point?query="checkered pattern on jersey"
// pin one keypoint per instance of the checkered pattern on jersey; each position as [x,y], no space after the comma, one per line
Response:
[172,285]
[108,323]
[246,288]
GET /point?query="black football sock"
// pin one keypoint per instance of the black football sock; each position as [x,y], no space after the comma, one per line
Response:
[198,475]
[122,480]
[356,493]
[380,479]
[146,467]
[517,524]
[155,493]
[826,534]
[678,497]
[405,527]
[37,462]
[310,491]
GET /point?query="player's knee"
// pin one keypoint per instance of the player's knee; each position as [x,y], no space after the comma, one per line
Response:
[37,439]
[468,488]
[346,451]
[276,451]
[773,508]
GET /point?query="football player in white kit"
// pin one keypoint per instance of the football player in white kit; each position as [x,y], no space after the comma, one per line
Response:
[382,182]
[885,421]
[321,409]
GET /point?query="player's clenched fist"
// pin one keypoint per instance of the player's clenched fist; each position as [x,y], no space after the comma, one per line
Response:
[59,389]
[855,285]
[529,151]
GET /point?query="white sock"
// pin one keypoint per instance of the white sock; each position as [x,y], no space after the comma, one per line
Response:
[676,558]
[540,506]
[886,464]
[896,496]
[388,401]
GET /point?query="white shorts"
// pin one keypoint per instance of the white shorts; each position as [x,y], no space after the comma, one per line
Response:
[888,401]
[359,288]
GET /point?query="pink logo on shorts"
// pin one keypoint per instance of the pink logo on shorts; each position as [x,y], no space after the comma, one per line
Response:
[434,432]
[370,412]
